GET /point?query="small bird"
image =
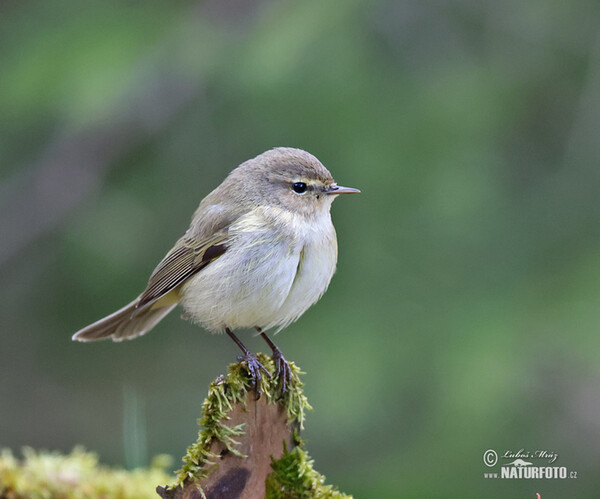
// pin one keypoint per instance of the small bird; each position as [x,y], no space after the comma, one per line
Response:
[260,250]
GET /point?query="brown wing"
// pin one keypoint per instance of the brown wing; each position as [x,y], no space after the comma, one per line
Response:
[187,257]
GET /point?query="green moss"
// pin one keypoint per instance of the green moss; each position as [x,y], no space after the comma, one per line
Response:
[79,475]
[75,476]
[223,394]
[294,477]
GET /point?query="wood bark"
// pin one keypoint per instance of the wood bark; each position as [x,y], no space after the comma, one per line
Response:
[234,477]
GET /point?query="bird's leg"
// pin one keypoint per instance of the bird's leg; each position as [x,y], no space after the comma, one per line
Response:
[254,366]
[282,368]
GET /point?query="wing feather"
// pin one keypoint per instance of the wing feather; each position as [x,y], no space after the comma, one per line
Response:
[187,257]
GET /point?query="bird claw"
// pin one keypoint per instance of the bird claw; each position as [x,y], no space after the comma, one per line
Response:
[254,367]
[283,371]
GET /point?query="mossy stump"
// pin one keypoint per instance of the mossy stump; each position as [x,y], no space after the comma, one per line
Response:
[248,447]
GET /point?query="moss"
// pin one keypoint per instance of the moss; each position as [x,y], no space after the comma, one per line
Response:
[74,476]
[78,475]
[294,477]
[223,394]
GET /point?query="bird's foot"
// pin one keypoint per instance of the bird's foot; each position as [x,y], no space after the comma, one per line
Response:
[283,371]
[254,368]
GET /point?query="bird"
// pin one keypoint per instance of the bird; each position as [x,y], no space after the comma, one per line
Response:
[260,250]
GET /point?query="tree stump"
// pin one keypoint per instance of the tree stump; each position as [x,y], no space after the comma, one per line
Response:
[249,447]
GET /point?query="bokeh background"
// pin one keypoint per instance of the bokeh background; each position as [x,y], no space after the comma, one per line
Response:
[464,314]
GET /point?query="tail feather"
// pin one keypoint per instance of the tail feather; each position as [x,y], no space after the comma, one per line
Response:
[141,323]
[126,323]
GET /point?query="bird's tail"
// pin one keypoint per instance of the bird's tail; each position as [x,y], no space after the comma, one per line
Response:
[128,322]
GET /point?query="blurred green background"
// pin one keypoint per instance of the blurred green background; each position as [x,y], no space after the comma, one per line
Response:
[464,314]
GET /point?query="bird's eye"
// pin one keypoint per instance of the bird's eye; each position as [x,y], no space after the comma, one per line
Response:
[299,187]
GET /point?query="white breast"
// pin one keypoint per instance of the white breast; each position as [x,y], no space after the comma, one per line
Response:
[316,267]
[267,278]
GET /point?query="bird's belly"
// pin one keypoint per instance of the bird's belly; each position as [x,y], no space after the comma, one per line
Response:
[314,273]
[241,289]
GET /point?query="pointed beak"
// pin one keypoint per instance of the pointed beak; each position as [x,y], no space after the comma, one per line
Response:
[338,189]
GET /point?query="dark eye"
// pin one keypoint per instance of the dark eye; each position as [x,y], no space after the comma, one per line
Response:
[299,187]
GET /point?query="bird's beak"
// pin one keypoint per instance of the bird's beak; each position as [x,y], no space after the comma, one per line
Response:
[338,189]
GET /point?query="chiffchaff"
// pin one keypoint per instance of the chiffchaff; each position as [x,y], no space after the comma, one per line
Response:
[260,250]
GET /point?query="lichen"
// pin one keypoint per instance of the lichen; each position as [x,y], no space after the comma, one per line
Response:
[76,475]
[294,477]
[223,394]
